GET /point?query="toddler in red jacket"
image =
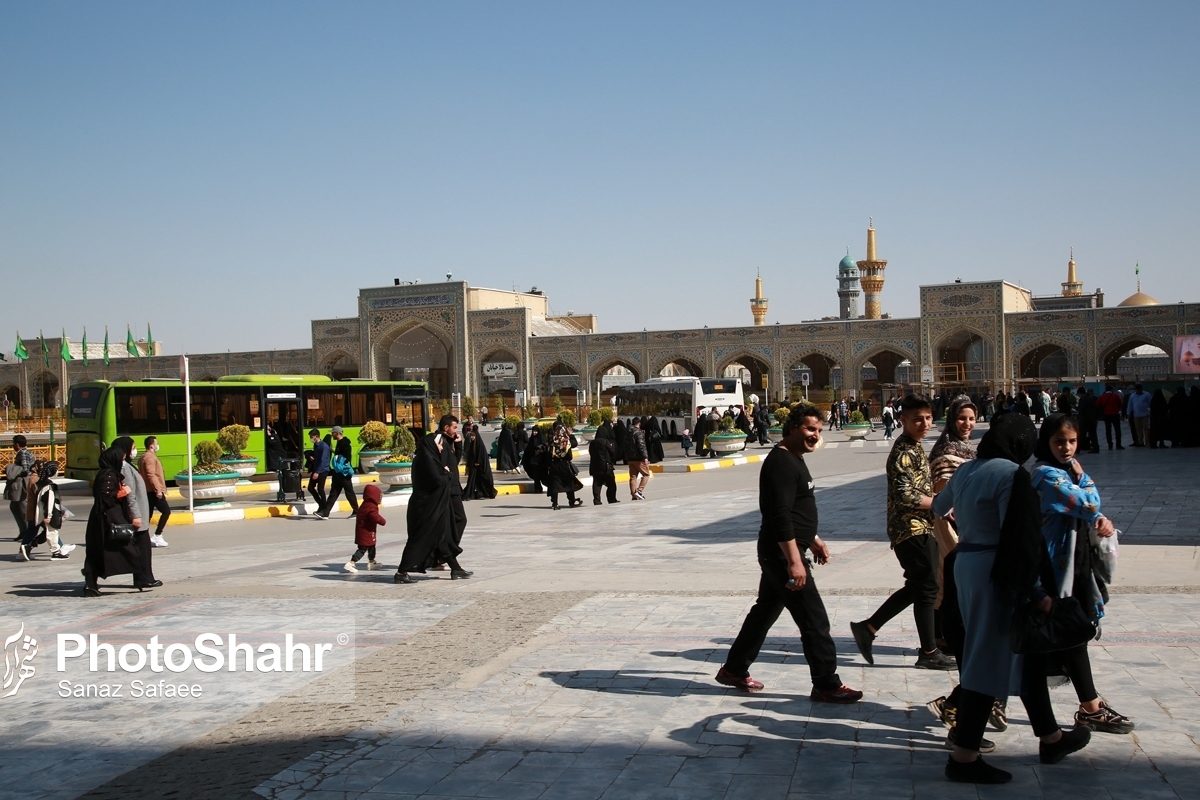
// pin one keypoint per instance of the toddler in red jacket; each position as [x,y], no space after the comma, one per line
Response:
[365,523]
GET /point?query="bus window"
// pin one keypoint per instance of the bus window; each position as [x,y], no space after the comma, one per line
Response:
[411,414]
[368,405]
[84,401]
[324,408]
[204,410]
[141,411]
[239,407]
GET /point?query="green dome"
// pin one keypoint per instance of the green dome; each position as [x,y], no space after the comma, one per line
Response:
[848,263]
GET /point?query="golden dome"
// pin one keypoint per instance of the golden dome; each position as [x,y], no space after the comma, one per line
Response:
[1139,298]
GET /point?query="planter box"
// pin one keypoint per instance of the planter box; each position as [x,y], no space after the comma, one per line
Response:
[585,434]
[727,442]
[858,431]
[777,431]
[244,467]
[208,491]
[368,458]
[396,474]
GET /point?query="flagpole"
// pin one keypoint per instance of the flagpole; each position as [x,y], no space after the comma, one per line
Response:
[187,406]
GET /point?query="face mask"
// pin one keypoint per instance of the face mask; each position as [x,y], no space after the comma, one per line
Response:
[133,454]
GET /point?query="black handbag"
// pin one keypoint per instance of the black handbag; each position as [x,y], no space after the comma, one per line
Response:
[120,535]
[1066,626]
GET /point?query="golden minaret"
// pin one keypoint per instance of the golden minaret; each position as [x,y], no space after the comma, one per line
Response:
[758,303]
[871,276]
[1073,287]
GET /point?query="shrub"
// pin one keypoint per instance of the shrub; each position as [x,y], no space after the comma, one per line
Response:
[374,435]
[403,445]
[728,424]
[443,407]
[232,439]
[607,414]
[527,411]
[557,403]
[208,454]
[545,428]
[568,417]
[513,421]
[595,419]
[781,415]
[857,418]
[468,407]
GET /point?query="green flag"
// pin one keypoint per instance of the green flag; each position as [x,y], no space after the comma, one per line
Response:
[106,358]
[85,358]
[45,352]
[21,352]
[64,347]
[149,341]
[130,345]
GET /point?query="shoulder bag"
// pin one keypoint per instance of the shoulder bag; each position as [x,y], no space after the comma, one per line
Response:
[1066,626]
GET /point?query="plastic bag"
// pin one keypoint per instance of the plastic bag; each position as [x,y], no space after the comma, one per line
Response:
[1105,551]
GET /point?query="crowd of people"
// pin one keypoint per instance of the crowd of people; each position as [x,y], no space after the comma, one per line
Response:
[990,550]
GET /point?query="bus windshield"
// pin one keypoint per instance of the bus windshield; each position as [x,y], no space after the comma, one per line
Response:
[714,386]
[84,401]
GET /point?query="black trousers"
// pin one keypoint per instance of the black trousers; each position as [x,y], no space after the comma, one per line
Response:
[360,552]
[316,487]
[919,556]
[1112,422]
[163,508]
[807,610]
[609,481]
[1090,440]
[17,507]
[336,484]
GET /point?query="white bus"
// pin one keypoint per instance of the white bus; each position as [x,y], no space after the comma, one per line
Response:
[674,401]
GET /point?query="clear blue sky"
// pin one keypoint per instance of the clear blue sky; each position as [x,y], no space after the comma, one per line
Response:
[229,171]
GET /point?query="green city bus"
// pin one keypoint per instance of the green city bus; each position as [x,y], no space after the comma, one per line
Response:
[99,412]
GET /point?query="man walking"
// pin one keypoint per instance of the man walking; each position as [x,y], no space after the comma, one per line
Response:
[910,529]
[1109,407]
[319,472]
[789,528]
[602,451]
[1139,413]
[338,481]
[156,489]
[15,489]
[638,458]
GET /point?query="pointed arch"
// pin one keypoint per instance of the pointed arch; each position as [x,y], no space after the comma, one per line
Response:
[1113,353]
[418,346]
[688,363]
[758,367]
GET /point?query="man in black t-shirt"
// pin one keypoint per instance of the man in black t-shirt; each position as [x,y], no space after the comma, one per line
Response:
[789,528]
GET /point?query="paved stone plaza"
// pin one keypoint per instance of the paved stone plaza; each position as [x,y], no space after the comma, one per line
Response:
[578,662]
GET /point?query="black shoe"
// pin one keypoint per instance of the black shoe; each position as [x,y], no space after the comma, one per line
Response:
[402,577]
[597,503]
[460,574]
[88,591]
[976,771]
[1072,740]
[935,660]
[999,716]
[1104,721]
[863,638]
[554,507]
[576,503]
[1119,447]
[985,745]
[151,585]
[59,556]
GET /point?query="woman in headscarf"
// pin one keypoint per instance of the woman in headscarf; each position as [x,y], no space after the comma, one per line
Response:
[997,565]
[430,515]
[506,450]
[560,473]
[111,506]
[952,450]
[1070,506]
[139,500]
[479,468]
[653,439]
[1177,410]
[1192,431]
[1159,420]
[534,459]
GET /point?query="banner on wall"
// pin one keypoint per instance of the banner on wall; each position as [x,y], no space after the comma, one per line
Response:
[1187,355]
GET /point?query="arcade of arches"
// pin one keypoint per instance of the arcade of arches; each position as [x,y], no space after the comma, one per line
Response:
[419,354]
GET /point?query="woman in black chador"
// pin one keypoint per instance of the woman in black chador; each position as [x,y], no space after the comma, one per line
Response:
[653,439]
[506,450]
[431,518]
[560,473]
[479,468]
[535,458]
[113,506]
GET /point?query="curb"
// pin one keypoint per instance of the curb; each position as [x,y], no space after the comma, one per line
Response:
[307,509]
[703,464]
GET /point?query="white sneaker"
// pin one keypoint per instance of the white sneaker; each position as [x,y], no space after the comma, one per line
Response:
[374,565]
[350,567]
[158,541]
[66,549]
